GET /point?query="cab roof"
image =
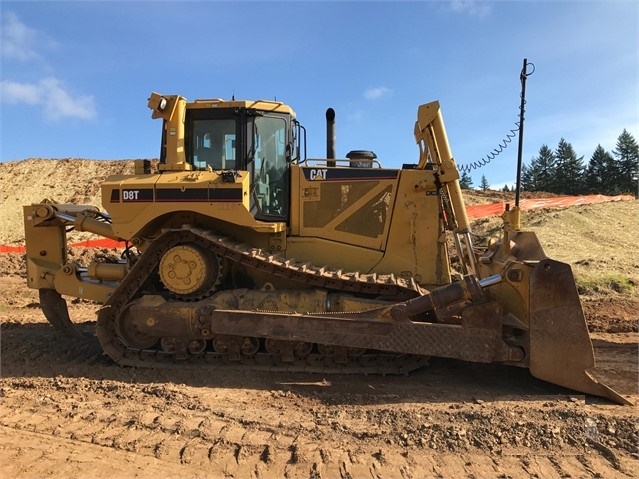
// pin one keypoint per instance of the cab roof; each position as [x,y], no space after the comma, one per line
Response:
[264,105]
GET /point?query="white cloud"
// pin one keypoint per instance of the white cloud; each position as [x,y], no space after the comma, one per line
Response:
[470,7]
[19,42]
[22,43]
[13,92]
[376,93]
[49,94]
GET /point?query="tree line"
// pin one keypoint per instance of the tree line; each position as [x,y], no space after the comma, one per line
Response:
[562,172]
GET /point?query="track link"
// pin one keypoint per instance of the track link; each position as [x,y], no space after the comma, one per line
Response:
[133,286]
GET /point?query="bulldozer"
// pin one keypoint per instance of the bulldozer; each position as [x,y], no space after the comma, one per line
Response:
[239,251]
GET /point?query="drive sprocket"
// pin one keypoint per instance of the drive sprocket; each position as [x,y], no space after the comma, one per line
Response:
[190,272]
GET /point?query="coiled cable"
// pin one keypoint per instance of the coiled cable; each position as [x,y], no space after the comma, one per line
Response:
[510,135]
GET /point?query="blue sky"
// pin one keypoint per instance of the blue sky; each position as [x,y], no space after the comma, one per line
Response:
[76,76]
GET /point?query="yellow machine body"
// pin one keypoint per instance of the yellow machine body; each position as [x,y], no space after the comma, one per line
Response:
[242,250]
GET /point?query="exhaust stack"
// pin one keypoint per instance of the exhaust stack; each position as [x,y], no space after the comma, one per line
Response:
[330,137]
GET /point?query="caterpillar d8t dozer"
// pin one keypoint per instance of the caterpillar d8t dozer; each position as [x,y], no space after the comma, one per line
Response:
[242,252]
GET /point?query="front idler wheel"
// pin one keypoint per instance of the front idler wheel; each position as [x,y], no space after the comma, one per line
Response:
[128,332]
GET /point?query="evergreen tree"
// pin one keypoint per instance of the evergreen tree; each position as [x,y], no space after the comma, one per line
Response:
[465,182]
[528,177]
[484,183]
[601,173]
[540,175]
[506,189]
[569,170]
[627,163]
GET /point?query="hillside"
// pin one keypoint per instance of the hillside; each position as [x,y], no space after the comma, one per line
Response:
[599,241]
[65,181]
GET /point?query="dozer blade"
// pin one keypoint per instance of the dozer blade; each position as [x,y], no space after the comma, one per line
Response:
[560,348]
[55,310]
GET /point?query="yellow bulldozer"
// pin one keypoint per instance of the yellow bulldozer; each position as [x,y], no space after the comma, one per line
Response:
[242,252]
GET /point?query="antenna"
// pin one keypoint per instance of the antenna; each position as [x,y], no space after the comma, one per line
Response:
[522,76]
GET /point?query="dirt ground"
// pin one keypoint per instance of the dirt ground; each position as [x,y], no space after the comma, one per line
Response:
[67,411]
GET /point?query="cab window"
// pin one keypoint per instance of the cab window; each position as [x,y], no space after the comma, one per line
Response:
[270,168]
[213,144]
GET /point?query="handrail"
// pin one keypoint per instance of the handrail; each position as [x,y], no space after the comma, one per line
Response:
[323,161]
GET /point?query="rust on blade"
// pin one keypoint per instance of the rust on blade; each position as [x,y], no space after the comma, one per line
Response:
[560,347]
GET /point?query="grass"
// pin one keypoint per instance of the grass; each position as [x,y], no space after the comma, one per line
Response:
[599,242]
[606,284]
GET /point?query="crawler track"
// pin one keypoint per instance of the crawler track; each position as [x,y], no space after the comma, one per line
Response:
[146,267]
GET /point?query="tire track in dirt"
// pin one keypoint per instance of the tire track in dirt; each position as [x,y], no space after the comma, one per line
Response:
[197,441]
[22,454]
[227,445]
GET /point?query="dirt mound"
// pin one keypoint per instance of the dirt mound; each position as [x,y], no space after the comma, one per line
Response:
[67,180]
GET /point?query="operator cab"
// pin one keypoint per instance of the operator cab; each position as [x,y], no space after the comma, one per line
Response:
[261,137]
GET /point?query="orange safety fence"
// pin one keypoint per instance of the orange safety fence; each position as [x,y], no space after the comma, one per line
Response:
[483,211]
[94,243]
[474,212]
[101,243]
